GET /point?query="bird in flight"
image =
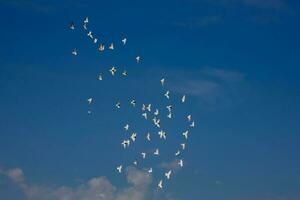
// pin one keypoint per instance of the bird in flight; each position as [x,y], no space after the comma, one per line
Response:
[138,59]
[156,152]
[125,73]
[72,26]
[74,52]
[189,117]
[86,20]
[185,134]
[160,184]
[143,155]
[167,94]
[180,163]
[111,46]
[162,134]
[126,127]
[119,168]
[150,170]
[118,105]
[95,40]
[89,34]
[148,137]
[162,82]
[168,174]
[90,100]
[169,115]
[133,137]
[101,47]
[124,40]
[183,98]
[192,124]
[126,143]
[156,112]
[113,70]
[145,116]
[133,102]
[177,153]
[100,78]
[183,145]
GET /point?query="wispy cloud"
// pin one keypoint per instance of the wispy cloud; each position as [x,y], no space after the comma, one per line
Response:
[210,85]
[95,188]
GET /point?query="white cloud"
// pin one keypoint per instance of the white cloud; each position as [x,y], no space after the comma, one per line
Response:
[98,188]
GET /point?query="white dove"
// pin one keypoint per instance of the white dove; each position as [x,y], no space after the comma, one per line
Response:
[113,70]
[111,46]
[167,94]
[185,134]
[119,168]
[74,52]
[168,174]
[90,100]
[124,40]
[101,47]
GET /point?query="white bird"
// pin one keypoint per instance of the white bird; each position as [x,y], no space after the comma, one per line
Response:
[150,170]
[74,52]
[180,163]
[149,107]
[101,47]
[160,184]
[143,107]
[192,124]
[86,20]
[138,59]
[119,168]
[162,81]
[177,153]
[156,112]
[169,107]
[148,137]
[189,117]
[72,26]
[145,115]
[95,40]
[156,122]
[84,26]
[135,162]
[89,112]
[113,70]
[126,127]
[133,102]
[100,78]
[156,152]
[162,134]
[90,100]
[133,137]
[167,94]
[125,73]
[168,174]
[185,134]
[143,155]
[183,145]
[169,115]
[124,40]
[89,34]
[125,143]
[118,105]
[111,46]
[183,99]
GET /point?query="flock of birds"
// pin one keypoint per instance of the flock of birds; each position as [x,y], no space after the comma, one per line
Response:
[147,111]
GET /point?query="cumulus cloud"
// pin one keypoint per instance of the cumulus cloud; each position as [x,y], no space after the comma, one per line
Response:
[97,188]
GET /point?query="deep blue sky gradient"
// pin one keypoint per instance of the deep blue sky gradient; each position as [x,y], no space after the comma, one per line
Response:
[247,134]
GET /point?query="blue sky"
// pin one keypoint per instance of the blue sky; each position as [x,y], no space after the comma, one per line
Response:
[237,61]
